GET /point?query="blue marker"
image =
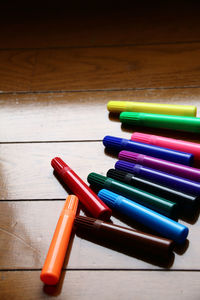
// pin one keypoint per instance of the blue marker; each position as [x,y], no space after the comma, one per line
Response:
[161,224]
[118,144]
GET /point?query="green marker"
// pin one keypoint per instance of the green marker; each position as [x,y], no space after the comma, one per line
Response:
[161,205]
[191,124]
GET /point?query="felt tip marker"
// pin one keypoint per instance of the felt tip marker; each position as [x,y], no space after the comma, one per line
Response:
[118,144]
[162,141]
[87,197]
[178,183]
[161,224]
[190,124]
[161,205]
[154,108]
[125,236]
[53,264]
[161,164]
[187,204]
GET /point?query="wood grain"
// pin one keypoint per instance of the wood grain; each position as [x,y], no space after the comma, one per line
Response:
[128,67]
[87,25]
[59,67]
[26,171]
[103,285]
[64,116]
[27,227]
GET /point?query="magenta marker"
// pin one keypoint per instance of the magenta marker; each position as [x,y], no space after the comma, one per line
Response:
[161,141]
[160,164]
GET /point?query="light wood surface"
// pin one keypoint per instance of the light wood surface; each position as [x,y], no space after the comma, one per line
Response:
[28,226]
[58,69]
[103,284]
[22,116]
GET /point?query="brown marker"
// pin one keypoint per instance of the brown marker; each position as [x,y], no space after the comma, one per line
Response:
[125,236]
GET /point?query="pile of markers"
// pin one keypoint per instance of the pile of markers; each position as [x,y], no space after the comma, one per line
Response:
[152,183]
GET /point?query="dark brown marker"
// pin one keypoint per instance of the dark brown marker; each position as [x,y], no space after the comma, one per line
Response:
[125,236]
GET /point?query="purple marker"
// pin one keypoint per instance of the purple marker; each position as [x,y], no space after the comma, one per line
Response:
[178,183]
[160,164]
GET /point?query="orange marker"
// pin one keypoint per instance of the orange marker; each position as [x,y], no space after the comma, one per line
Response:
[53,264]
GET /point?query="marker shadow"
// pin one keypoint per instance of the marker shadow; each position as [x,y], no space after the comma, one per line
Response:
[129,250]
[114,117]
[179,249]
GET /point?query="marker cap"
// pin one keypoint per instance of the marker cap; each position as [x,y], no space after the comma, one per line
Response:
[129,156]
[113,142]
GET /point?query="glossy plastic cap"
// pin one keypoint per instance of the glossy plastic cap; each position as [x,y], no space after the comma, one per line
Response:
[116,106]
[113,142]
[128,156]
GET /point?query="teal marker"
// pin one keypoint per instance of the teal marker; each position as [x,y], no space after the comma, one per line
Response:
[161,205]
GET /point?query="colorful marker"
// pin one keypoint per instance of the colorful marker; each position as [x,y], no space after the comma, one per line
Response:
[161,224]
[162,141]
[88,198]
[53,264]
[160,164]
[154,108]
[191,124]
[187,204]
[161,205]
[118,144]
[134,239]
[178,183]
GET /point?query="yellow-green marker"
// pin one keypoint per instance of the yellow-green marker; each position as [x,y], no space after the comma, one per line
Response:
[154,108]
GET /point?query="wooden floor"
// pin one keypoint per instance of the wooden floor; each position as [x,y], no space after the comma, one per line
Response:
[58,69]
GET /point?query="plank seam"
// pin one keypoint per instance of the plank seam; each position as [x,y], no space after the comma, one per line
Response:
[106,269]
[102,46]
[97,90]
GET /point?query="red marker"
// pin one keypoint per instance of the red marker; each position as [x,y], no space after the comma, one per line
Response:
[87,197]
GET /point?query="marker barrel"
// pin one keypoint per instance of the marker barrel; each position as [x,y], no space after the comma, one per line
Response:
[161,224]
[156,108]
[191,124]
[118,144]
[87,197]
[187,203]
[160,164]
[178,183]
[134,239]
[53,264]
[161,205]
[161,141]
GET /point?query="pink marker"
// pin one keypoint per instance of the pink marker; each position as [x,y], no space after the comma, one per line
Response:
[160,164]
[161,141]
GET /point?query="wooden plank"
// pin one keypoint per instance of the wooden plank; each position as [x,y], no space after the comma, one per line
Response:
[22,116]
[103,285]
[100,26]
[27,227]
[27,174]
[99,68]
